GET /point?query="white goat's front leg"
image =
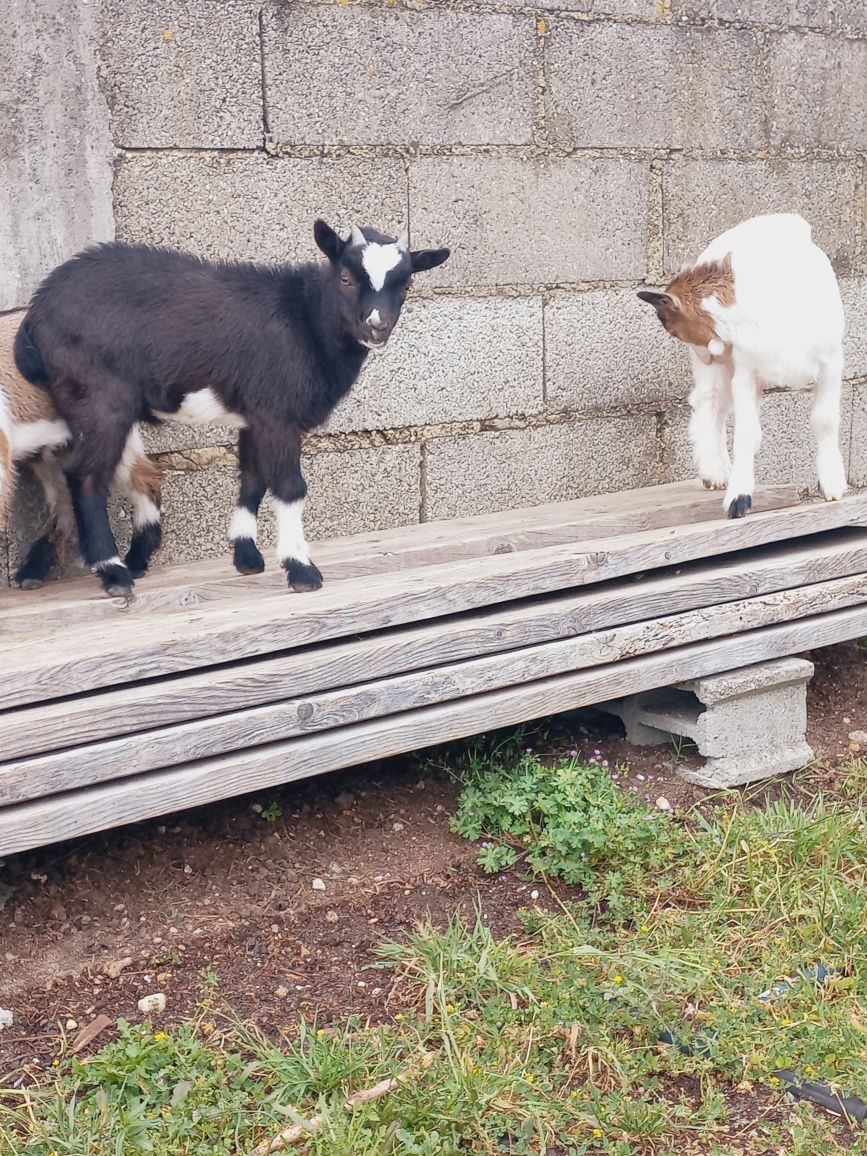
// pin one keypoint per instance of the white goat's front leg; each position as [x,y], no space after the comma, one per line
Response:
[747,439]
[826,426]
[710,401]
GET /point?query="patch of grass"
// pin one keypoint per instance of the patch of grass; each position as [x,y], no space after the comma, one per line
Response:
[569,821]
[548,1042]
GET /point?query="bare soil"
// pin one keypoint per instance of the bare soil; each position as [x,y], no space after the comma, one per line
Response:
[283,896]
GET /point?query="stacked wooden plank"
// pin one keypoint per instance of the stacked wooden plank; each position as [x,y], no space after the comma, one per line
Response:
[210,684]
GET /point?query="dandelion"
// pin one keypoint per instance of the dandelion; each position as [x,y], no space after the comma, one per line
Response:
[160,1037]
[597,1133]
[618,979]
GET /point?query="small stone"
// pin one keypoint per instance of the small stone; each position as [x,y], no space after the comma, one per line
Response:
[534,894]
[345,801]
[281,992]
[113,969]
[152,1005]
[318,885]
[6,1018]
[331,916]
[640,778]
[188,869]
[397,827]
[662,804]
[256,808]
[71,1025]
[859,737]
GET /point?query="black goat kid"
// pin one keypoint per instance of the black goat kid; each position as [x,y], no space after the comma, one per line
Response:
[122,334]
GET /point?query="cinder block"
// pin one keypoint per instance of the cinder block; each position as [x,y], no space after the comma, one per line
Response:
[748,723]
[849,15]
[858,440]
[606,348]
[854,293]
[512,221]
[185,74]
[169,437]
[788,450]
[640,86]
[252,207]
[354,75]
[523,467]
[451,359]
[705,197]
[646,8]
[55,145]
[818,91]
[348,493]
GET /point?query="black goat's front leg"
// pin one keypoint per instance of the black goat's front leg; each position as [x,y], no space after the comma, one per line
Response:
[242,529]
[279,454]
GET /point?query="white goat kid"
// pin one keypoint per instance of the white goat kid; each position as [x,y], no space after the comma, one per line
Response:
[760,307]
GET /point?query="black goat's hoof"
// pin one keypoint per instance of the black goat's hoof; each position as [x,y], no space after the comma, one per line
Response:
[302,576]
[145,543]
[247,557]
[739,506]
[35,568]
[116,579]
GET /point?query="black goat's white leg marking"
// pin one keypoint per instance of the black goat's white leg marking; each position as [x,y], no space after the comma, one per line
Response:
[242,528]
[292,552]
[141,481]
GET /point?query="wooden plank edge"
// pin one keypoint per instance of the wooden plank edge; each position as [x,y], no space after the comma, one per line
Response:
[76,813]
[138,754]
[136,707]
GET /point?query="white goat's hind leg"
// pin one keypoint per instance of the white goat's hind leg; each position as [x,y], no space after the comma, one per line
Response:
[826,426]
[709,402]
[747,439]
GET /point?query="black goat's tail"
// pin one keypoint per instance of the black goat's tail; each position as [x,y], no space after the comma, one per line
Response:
[28,359]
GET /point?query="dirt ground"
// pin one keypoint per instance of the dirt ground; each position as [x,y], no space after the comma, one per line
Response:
[283,896]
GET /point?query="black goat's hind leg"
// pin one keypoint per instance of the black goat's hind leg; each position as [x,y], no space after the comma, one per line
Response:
[98,547]
[247,557]
[33,571]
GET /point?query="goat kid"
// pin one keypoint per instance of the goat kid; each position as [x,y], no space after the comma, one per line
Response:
[125,333]
[32,433]
[760,307]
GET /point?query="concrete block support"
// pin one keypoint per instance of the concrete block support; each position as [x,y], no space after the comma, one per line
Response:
[748,724]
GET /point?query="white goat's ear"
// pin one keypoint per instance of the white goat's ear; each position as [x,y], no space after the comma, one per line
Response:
[357,238]
[403,241]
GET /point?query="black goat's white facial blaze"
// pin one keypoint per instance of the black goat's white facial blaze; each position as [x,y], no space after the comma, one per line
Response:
[373,317]
[378,260]
[291,544]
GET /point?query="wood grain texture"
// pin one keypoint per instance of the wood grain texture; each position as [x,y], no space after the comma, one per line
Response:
[36,670]
[144,706]
[92,809]
[182,587]
[330,709]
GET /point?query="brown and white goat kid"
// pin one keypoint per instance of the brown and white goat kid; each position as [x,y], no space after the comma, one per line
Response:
[31,432]
[760,307]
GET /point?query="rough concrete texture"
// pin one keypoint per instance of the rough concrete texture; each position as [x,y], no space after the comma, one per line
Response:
[522,467]
[788,449]
[858,440]
[704,197]
[431,372]
[748,724]
[348,493]
[253,207]
[182,73]
[513,221]
[55,147]
[644,8]
[623,85]
[854,293]
[848,15]
[351,75]
[605,348]
[818,91]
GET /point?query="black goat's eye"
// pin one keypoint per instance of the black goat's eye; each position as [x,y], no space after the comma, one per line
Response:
[345,279]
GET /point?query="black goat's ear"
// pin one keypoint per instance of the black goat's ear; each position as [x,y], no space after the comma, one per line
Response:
[657,300]
[428,259]
[328,240]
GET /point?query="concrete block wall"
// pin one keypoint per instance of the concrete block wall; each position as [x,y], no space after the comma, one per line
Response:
[568,151]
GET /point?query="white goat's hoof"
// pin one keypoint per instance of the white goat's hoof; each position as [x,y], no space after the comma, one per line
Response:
[738,506]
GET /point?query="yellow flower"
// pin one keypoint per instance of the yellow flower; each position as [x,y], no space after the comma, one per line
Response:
[159,1037]
[320,1032]
[644,929]
[399,1016]
[529,1077]
[450,1007]
[773,1081]
[809,1070]
[618,979]
[597,1132]
[55,1063]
